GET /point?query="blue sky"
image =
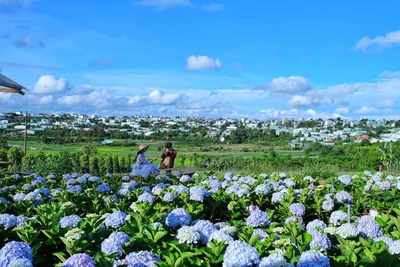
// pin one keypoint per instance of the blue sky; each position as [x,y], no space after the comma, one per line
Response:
[257,59]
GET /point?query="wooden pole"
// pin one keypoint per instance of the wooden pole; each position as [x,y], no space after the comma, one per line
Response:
[26,131]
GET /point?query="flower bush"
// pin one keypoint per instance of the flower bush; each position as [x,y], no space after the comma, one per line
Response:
[206,220]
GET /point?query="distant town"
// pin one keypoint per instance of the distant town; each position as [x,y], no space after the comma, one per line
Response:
[302,130]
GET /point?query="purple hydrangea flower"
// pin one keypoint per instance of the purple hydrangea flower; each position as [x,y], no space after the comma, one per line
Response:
[319,240]
[386,185]
[295,219]
[277,197]
[262,189]
[139,259]
[343,196]
[297,209]
[368,227]
[239,253]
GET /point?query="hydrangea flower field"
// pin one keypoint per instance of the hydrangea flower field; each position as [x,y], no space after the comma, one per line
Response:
[205,220]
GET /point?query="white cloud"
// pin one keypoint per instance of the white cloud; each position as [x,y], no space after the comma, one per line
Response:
[49,84]
[202,62]
[158,97]
[164,4]
[300,101]
[134,99]
[46,99]
[385,103]
[213,7]
[69,100]
[342,110]
[366,110]
[290,85]
[312,112]
[390,75]
[379,41]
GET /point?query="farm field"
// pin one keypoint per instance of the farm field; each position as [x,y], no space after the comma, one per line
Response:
[222,219]
[156,146]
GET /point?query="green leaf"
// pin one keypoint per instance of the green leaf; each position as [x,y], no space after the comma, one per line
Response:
[353,257]
[61,256]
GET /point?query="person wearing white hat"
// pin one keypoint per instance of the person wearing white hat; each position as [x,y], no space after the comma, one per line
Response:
[142,167]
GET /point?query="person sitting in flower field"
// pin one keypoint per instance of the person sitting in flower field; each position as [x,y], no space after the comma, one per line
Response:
[168,157]
[142,167]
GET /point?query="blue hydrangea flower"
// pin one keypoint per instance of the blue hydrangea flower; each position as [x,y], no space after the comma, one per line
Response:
[319,240]
[309,179]
[313,258]
[188,235]
[79,260]
[220,236]
[82,180]
[263,189]
[275,260]
[66,176]
[13,251]
[368,227]
[45,192]
[70,221]
[27,187]
[315,224]
[168,197]
[19,197]
[228,176]
[111,198]
[277,197]
[8,221]
[115,219]
[22,219]
[178,217]
[157,224]
[234,188]
[71,181]
[345,179]
[179,189]
[126,178]
[74,189]
[197,193]
[337,217]
[103,188]
[328,204]
[295,219]
[240,254]
[297,209]
[258,218]
[263,235]
[394,247]
[94,179]
[343,196]
[3,200]
[123,191]
[205,229]
[114,243]
[346,230]
[185,179]
[139,259]
[146,197]
[20,263]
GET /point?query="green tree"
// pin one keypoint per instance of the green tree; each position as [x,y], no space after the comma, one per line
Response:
[15,155]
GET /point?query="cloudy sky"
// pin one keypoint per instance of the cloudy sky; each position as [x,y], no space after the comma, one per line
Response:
[236,58]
